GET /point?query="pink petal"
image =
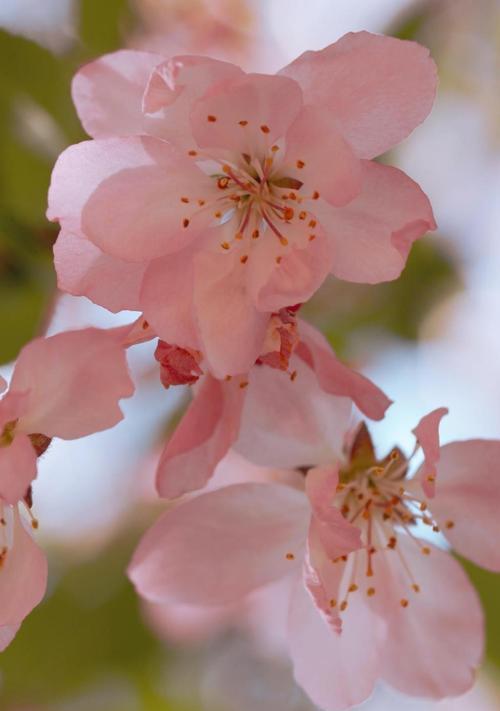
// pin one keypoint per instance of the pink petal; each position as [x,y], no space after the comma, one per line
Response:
[337,671]
[268,104]
[173,87]
[83,270]
[108,93]
[336,378]
[125,194]
[202,438]
[23,575]
[231,329]
[87,367]
[467,499]
[291,423]
[7,634]
[321,159]
[435,644]
[336,535]
[372,236]
[167,298]
[302,268]
[376,89]
[217,547]
[188,624]
[427,434]
[17,469]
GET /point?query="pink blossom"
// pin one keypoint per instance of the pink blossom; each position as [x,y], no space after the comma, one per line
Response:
[23,573]
[66,386]
[210,198]
[392,606]
[283,418]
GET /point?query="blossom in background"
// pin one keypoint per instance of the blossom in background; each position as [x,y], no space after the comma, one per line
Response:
[394,607]
[66,386]
[210,198]
[288,410]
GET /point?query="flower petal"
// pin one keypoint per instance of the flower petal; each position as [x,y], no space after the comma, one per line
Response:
[318,156]
[83,270]
[372,236]
[467,499]
[167,298]
[336,378]
[231,329]
[173,87]
[291,423]
[125,194]
[427,434]
[250,113]
[202,438]
[376,89]
[217,547]
[23,576]
[435,643]
[337,671]
[87,367]
[108,93]
[17,469]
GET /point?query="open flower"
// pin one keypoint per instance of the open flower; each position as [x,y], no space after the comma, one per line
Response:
[210,198]
[286,411]
[66,386]
[23,572]
[395,606]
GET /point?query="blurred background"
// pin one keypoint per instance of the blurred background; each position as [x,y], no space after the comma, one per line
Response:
[432,338]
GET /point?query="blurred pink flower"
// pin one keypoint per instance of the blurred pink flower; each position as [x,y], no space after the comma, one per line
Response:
[23,573]
[273,417]
[211,198]
[393,606]
[66,386]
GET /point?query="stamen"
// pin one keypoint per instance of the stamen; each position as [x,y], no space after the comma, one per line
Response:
[244,258]
[265,129]
[184,199]
[290,556]
[404,603]
[300,164]
[243,123]
[185,222]
[211,118]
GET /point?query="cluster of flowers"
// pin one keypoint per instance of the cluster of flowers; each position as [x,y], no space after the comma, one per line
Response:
[216,202]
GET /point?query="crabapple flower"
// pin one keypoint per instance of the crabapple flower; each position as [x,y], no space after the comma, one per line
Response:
[210,198]
[66,386]
[393,607]
[23,572]
[290,409]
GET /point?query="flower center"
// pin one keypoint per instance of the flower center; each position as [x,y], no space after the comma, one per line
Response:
[256,197]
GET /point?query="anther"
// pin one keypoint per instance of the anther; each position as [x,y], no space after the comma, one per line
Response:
[184,199]
[302,215]
[370,592]
[192,153]
[343,606]
[431,478]
[218,214]
[284,241]
[201,203]
[353,588]
[243,123]
[145,325]
[244,258]
[185,222]
[300,164]
[426,550]
[312,237]
[244,384]
[275,148]
[255,234]
[290,556]
[223,182]
[288,213]
[315,195]
[238,236]
[423,506]
[449,524]
[392,542]
[333,602]
[312,223]
[278,260]
[404,603]
[211,118]
[415,588]
[265,129]
[293,375]
[225,245]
